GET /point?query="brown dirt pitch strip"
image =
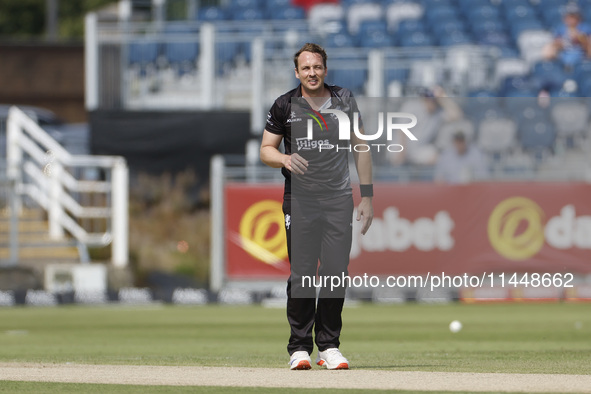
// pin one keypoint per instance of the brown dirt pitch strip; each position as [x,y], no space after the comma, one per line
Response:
[275,377]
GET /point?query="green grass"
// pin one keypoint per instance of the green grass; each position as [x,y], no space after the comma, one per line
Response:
[517,338]
[64,388]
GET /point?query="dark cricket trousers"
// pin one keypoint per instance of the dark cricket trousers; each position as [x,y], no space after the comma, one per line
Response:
[317,230]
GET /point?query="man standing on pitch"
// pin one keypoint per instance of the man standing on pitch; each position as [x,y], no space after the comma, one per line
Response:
[318,202]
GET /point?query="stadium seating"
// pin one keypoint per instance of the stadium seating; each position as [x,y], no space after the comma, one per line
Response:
[359,12]
[211,14]
[376,39]
[497,136]
[531,43]
[142,52]
[408,26]
[510,67]
[339,40]
[518,29]
[352,78]
[571,118]
[422,42]
[397,12]
[286,13]
[537,137]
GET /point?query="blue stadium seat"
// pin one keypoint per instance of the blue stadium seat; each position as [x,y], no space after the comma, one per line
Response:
[552,16]
[408,26]
[211,14]
[372,26]
[436,3]
[508,51]
[286,13]
[522,93]
[523,109]
[585,88]
[486,12]
[520,12]
[537,136]
[454,38]
[519,27]
[466,5]
[555,4]
[376,39]
[514,86]
[396,74]
[181,52]
[487,26]
[482,93]
[336,26]
[226,52]
[349,3]
[582,72]
[351,78]
[256,4]
[339,40]
[416,39]
[143,52]
[441,13]
[508,5]
[448,26]
[561,93]
[248,14]
[479,113]
[499,39]
[271,5]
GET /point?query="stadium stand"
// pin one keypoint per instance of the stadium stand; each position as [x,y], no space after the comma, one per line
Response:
[477,49]
[518,30]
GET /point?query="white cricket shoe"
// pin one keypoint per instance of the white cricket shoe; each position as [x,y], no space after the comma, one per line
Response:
[300,360]
[332,359]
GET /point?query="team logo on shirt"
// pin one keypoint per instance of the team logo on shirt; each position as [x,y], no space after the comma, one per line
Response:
[306,144]
[318,117]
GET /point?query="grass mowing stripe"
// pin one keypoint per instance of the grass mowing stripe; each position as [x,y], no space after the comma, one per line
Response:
[514,338]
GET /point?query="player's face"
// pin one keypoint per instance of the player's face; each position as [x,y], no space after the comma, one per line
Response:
[311,72]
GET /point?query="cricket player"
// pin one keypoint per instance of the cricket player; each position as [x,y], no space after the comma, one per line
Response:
[318,202]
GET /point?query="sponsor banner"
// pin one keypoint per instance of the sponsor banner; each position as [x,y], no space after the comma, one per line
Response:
[256,246]
[421,229]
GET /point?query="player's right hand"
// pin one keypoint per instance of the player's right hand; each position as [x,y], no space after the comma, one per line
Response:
[297,164]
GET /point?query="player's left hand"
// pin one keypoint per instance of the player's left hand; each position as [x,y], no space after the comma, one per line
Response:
[365,212]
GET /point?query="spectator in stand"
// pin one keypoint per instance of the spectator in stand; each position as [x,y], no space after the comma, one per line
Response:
[461,163]
[433,110]
[571,44]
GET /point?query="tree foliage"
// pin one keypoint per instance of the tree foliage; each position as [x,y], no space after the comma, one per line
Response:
[27,18]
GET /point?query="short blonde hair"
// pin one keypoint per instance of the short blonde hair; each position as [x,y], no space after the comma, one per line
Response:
[310,47]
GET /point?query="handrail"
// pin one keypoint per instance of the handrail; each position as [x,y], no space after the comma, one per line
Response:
[40,168]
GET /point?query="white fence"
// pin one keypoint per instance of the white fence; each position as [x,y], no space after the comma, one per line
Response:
[85,196]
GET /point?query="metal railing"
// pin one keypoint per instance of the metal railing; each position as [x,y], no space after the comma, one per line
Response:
[83,195]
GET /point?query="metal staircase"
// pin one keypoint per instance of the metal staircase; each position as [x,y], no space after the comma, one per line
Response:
[34,246]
